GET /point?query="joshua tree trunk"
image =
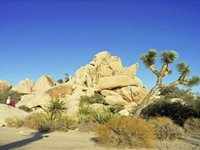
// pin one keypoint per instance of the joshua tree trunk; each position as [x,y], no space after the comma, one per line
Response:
[145,101]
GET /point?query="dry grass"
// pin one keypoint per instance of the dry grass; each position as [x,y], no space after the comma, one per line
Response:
[192,125]
[43,123]
[165,128]
[126,131]
[15,122]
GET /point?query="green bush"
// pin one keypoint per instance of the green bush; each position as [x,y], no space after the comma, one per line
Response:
[103,115]
[85,113]
[165,128]
[6,93]
[96,98]
[24,108]
[192,125]
[126,131]
[175,92]
[176,111]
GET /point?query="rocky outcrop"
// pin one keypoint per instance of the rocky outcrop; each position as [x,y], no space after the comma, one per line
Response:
[4,85]
[24,86]
[60,91]
[10,112]
[113,82]
[35,100]
[104,75]
[103,65]
[133,93]
[44,83]
[115,100]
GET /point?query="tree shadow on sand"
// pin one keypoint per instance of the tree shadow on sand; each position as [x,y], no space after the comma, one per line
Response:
[36,136]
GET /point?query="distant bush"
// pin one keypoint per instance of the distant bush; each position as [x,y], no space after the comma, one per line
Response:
[126,131]
[178,112]
[96,98]
[175,92]
[192,125]
[165,128]
[24,108]
[6,93]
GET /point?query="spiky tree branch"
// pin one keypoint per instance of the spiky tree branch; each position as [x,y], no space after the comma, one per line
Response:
[167,58]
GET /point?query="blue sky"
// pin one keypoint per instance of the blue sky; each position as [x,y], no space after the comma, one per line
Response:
[57,36]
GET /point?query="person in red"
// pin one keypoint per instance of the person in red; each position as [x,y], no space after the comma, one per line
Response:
[10,102]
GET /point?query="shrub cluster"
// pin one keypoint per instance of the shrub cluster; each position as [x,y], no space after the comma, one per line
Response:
[126,131]
[42,123]
[4,94]
[165,128]
[178,112]
[192,125]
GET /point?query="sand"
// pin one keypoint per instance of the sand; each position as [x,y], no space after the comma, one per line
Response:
[27,139]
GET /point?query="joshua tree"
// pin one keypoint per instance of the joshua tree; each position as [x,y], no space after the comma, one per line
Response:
[167,58]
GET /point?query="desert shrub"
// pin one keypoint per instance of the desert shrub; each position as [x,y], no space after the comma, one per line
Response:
[85,113]
[4,94]
[175,92]
[96,98]
[14,122]
[103,115]
[116,108]
[68,122]
[126,131]
[165,128]
[35,120]
[86,100]
[24,108]
[192,125]
[176,111]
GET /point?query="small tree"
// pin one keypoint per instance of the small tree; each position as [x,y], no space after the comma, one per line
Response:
[55,109]
[66,79]
[167,58]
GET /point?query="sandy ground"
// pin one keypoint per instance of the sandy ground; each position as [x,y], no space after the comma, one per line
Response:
[27,139]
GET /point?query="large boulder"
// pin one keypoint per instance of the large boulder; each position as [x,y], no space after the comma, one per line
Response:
[35,100]
[24,86]
[44,83]
[10,112]
[60,91]
[103,65]
[133,93]
[115,100]
[4,85]
[130,71]
[113,82]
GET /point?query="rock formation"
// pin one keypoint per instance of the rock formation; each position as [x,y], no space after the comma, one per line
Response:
[9,112]
[24,86]
[105,75]
[44,83]
[4,85]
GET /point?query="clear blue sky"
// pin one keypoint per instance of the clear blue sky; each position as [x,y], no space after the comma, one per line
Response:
[57,36]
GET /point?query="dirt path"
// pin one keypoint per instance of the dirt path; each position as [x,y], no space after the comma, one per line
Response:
[26,139]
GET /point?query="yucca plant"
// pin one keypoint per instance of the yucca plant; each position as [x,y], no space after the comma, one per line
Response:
[55,108]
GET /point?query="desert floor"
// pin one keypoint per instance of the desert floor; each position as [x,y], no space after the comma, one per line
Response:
[27,139]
